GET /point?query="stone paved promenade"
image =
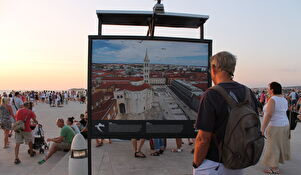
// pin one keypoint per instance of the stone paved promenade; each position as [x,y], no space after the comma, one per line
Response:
[118,157]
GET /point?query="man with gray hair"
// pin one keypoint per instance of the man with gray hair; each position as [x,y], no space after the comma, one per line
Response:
[213,116]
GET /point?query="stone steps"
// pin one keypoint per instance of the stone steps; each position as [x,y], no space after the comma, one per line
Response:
[61,167]
[49,164]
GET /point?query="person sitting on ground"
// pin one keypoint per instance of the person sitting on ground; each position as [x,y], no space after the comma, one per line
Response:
[73,125]
[82,121]
[25,115]
[84,131]
[63,142]
[78,125]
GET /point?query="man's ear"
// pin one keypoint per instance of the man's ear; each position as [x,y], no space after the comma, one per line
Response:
[213,69]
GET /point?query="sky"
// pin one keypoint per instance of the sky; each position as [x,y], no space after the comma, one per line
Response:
[44,44]
[158,52]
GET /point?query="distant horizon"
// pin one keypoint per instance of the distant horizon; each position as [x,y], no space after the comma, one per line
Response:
[5,90]
[1,90]
[151,64]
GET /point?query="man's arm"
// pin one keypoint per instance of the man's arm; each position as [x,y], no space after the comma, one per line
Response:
[56,140]
[202,143]
[84,130]
[34,117]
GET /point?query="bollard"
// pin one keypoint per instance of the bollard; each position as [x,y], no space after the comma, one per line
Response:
[78,160]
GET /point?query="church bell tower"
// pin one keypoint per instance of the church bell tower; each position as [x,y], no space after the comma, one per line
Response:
[146,68]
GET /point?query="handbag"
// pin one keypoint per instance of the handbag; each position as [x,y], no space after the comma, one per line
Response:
[19,125]
[292,118]
[12,119]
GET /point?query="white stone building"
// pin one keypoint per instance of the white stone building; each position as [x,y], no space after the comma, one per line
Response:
[157,81]
[134,99]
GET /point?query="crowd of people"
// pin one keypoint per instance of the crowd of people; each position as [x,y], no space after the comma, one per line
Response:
[293,97]
[214,113]
[68,130]
[16,107]
[53,98]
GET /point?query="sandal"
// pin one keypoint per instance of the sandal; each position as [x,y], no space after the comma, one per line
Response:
[139,155]
[17,161]
[176,150]
[99,144]
[271,171]
[155,154]
[32,154]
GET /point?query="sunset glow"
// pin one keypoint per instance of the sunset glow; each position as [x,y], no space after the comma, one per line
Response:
[44,44]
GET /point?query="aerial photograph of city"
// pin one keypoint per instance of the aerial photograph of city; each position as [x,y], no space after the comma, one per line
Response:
[147,80]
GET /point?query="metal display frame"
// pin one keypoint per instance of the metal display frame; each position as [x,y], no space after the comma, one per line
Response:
[187,124]
[152,20]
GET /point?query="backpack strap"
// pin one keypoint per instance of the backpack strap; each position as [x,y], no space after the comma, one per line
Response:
[248,95]
[232,103]
[15,104]
[225,94]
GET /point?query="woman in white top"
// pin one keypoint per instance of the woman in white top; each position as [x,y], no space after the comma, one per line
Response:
[276,129]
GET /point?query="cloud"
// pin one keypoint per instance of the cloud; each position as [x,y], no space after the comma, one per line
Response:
[166,52]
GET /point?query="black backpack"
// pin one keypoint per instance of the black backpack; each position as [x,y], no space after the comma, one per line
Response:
[243,142]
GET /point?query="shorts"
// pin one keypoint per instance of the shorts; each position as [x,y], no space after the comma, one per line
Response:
[62,146]
[20,137]
[209,167]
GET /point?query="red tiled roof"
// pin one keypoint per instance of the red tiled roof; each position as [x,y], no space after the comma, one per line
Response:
[107,85]
[97,95]
[136,88]
[100,95]
[124,78]
[156,75]
[98,113]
